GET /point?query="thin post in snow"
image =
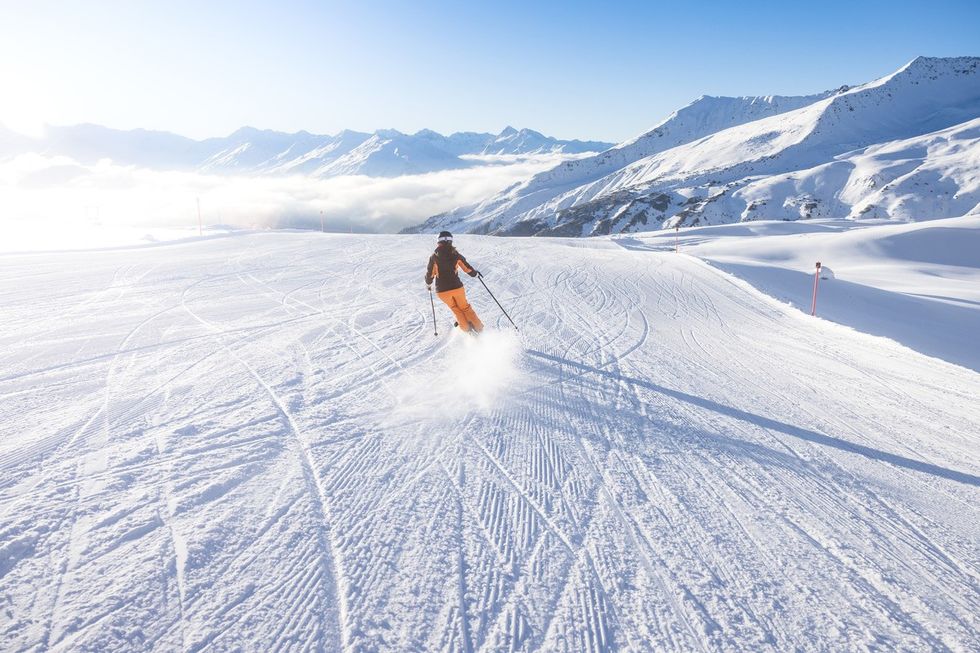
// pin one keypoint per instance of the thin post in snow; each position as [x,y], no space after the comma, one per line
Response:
[435,325]
[677,239]
[816,282]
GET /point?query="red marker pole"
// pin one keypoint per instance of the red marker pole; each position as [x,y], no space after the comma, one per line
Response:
[816,282]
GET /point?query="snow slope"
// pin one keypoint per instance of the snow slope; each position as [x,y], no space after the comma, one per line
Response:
[917,284]
[256,443]
[936,175]
[740,172]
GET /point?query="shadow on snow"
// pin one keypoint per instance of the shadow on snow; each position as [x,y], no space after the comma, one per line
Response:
[775,425]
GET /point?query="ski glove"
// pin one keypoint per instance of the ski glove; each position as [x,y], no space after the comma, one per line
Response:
[475,273]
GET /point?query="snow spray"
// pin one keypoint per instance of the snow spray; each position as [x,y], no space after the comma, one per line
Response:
[471,374]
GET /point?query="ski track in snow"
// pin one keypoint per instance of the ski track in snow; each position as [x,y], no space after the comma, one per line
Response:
[256,443]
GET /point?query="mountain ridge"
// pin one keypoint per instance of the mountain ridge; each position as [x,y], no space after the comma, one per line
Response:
[249,150]
[617,190]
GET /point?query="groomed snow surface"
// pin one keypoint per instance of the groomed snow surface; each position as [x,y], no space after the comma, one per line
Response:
[916,283]
[256,443]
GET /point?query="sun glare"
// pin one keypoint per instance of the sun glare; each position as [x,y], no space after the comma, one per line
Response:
[22,120]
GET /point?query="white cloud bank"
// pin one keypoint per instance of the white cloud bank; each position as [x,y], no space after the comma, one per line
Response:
[46,200]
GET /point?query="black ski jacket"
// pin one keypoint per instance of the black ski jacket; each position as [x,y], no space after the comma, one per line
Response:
[442,268]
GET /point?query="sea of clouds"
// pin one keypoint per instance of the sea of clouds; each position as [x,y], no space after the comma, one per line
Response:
[52,202]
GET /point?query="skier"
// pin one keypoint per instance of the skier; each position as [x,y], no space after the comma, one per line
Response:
[442,268]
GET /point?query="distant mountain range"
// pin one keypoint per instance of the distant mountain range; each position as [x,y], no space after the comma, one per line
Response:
[906,146]
[385,153]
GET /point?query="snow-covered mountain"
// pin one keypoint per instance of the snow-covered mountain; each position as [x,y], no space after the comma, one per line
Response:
[291,161]
[837,154]
[508,141]
[88,144]
[390,153]
[384,153]
[931,176]
[262,150]
[523,141]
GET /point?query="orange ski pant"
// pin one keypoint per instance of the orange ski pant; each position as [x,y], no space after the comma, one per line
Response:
[465,315]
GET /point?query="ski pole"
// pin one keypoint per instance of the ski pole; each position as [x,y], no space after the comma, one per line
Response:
[435,325]
[480,277]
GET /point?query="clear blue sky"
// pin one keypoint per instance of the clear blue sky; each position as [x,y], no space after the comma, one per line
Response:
[604,70]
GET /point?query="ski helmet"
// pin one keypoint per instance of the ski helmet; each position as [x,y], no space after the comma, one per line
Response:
[445,237]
